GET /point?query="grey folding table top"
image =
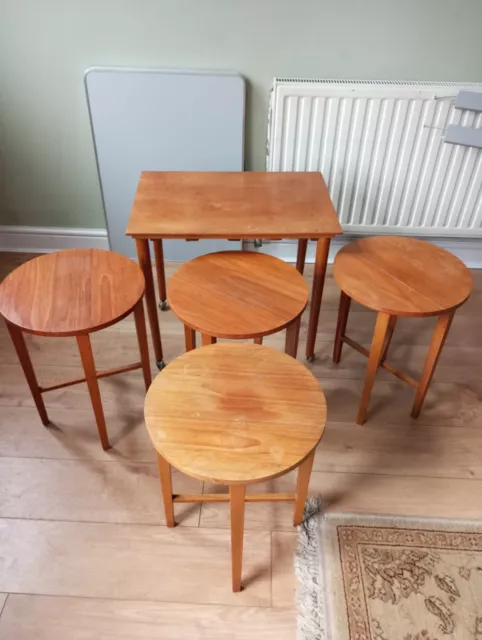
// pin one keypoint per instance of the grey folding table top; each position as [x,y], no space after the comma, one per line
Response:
[162,120]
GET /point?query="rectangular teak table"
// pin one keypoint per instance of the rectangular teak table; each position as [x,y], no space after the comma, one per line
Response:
[232,206]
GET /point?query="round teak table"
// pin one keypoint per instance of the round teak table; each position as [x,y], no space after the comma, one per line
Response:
[235,414]
[74,293]
[398,276]
[238,295]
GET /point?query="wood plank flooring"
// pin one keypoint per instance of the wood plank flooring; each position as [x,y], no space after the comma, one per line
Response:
[84,551]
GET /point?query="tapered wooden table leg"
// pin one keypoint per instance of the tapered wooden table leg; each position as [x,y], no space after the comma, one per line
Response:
[140,320]
[301,255]
[442,328]
[189,338]
[237,494]
[322,250]
[211,405]
[388,339]
[160,272]
[376,353]
[145,264]
[24,357]
[87,358]
[258,340]
[208,339]
[302,485]
[166,488]
[343,311]
[292,337]
[398,276]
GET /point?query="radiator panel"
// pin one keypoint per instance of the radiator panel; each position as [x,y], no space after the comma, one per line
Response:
[381,151]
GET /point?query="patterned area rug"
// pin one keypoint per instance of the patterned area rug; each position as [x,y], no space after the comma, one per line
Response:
[384,578]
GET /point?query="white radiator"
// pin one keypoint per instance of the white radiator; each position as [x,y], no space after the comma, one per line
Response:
[380,148]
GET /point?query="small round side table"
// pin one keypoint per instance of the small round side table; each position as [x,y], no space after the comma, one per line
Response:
[398,276]
[74,293]
[235,414]
[238,295]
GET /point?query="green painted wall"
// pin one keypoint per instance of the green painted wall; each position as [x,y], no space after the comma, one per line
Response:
[47,167]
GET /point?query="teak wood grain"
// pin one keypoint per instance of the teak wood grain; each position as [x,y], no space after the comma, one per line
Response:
[237,294]
[302,486]
[74,293]
[20,346]
[429,467]
[402,276]
[236,500]
[375,356]
[193,205]
[144,257]
[239,205]
[87,357]
[235,413]
[398,276]
[444,322]
[69,292]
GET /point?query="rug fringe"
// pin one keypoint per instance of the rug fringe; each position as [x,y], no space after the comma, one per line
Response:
[311,619]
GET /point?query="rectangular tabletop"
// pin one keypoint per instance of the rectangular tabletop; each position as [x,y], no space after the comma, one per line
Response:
[232,205]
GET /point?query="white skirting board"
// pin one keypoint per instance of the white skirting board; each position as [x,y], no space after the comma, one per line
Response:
[46,239]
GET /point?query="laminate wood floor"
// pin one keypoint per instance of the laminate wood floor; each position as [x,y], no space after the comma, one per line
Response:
[83,548]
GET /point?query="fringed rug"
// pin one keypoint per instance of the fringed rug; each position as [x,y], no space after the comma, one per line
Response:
[388,578]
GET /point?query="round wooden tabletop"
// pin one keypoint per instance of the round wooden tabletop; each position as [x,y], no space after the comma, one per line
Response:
[235,413]
[237,294]
[402,276]
[69,292]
